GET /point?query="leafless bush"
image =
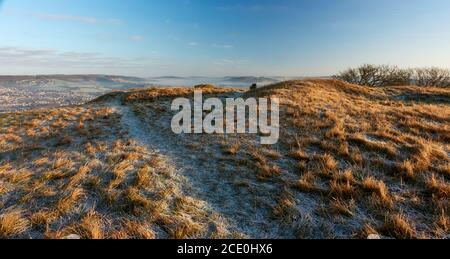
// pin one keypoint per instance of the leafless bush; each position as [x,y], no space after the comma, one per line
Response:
[400,76]
[384,75]
[432,77]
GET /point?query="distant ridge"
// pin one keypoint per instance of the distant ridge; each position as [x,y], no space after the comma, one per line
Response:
[250,79]
[168,77]
[16,79]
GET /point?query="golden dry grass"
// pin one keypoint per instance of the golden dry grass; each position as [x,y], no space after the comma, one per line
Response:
[363,143]
[342,207]
[351,161]
[100,184]
[13,223]
[398,226]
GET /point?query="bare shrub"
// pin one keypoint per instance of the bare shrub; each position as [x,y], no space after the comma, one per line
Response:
[385,75]
[432,77]
[373,75]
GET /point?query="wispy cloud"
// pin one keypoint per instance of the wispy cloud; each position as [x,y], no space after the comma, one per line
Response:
[229,62]
[77,19]
[253,7]
[222,46]
[51,59]
[137,38]
[193,44]
[22,60]
[113,21]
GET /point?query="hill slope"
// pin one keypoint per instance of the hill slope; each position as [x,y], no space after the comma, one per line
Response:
[351,161]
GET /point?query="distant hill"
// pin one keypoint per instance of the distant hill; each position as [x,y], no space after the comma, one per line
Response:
[250,79]
[15,81]
[168,77]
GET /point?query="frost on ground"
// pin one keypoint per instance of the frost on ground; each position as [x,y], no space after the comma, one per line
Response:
[352,162]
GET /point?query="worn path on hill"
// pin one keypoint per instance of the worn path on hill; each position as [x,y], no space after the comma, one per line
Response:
[203,179]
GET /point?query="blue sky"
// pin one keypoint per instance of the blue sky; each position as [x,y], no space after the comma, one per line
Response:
[220,37]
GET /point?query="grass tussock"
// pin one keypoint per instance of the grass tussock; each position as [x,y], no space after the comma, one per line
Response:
[299,154]
[344,190]
[185,229]
[232,149]
[406,170]
[91,226]
[70,200]
[398,226]
[44,217]
[13,224]
[285,207]
[132,229]
[379,190]
[442,224]
[307,183]
[439,187]
[342,207]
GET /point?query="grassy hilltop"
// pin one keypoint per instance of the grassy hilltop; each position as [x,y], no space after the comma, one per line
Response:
[351,161]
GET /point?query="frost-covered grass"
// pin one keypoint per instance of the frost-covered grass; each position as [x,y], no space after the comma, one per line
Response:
[351,161]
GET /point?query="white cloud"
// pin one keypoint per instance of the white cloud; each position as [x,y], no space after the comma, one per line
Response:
[253,7]
[77,19]
[114,21]
[193,44]
[223,46]
[30,59]
[137,38]
[229,62]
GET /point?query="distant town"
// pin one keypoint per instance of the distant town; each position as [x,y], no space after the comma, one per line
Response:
[30,92]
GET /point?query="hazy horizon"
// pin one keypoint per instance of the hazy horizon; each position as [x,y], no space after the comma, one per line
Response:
[284,38]
[165,76]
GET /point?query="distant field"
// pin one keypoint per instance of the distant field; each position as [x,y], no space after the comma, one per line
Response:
[352,161]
